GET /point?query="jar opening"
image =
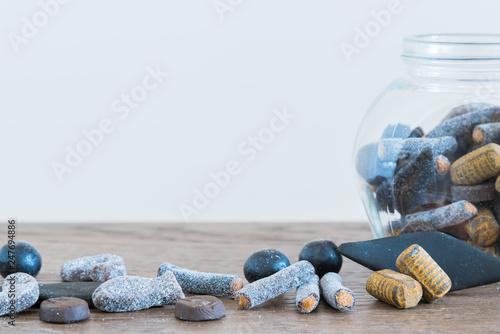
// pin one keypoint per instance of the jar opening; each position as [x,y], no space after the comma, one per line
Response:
[453,46]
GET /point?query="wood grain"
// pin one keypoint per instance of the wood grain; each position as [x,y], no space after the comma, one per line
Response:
[224,248]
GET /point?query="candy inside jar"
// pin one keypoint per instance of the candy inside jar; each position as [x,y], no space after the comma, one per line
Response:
[427,155]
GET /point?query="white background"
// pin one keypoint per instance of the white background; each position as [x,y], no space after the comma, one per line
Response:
[226,75]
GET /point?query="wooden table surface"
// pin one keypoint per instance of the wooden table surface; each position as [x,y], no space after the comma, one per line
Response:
[224,248]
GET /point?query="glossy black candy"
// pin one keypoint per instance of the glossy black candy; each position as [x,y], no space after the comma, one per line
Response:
[264,263]
[27,259]
[323,255]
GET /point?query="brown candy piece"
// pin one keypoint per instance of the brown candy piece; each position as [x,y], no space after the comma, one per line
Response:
[199,308]
[64,310]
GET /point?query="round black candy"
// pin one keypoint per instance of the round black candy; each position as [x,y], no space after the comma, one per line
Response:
[264,263]
[27,259]
[323,255]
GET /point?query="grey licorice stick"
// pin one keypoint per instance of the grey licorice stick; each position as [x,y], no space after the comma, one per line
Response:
[476,193]
[307,295]
[390,149]
[272,286]
[466,108]
[486,133]
[413,179]
[462,125]
[335,293]
[203,283]
[449,215]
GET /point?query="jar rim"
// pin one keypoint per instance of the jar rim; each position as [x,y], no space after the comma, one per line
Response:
[452,46]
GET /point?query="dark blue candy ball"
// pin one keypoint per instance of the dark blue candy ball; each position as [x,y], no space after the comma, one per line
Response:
[27,259]
[264,263]
[323,255]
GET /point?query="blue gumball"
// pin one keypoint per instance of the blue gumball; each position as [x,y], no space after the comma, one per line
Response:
[22,258]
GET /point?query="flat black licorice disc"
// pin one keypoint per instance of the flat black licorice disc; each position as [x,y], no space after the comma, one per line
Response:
[466,265]
[82,290]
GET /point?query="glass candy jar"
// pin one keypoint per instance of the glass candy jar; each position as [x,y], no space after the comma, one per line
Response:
[427,153]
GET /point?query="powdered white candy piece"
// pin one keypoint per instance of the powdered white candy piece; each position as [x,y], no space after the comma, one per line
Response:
[133,293]
[307,295]
[98,268]
[272,286]
[335,294]
[203,283]
[23,290]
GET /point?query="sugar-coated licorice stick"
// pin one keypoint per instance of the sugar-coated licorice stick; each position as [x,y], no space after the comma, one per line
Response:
[449,215]
[307,295]
[394,288]
[483,228]
[335,293]
[390,149]
[272,286]
[465,109]
[476,166]
[462,125]
[417,263]
[486,133]
[203,283]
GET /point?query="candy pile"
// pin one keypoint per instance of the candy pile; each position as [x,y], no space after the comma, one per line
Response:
[446,180]
[112,290]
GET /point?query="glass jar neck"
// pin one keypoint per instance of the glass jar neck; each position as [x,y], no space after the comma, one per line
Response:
[466,57]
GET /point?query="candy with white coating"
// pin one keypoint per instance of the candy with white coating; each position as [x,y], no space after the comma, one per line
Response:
[449,215]
[133,293]
[486,133]
[335,293]
[307,295]
[462,125]
[203,283]
[272,286]
[98,268]
[465,109]
[19,292]
[391,149]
